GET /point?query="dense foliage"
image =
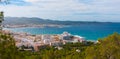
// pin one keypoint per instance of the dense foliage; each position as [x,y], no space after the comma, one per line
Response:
[7,48]
[106,48]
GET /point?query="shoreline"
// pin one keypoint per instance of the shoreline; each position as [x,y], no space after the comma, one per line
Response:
[35,26]
[93,40]
[36,41]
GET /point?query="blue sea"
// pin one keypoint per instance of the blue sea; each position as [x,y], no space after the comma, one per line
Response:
[89,31]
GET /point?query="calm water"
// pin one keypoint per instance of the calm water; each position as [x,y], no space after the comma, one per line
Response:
[89,31]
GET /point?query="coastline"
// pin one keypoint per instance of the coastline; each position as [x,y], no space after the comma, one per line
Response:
[36,26]
[92,40]
[43,31]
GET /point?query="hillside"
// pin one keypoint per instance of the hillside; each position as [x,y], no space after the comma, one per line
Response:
[24,20]
[38,21]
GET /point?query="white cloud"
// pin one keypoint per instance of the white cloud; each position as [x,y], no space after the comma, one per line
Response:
[66,9]
[32,1]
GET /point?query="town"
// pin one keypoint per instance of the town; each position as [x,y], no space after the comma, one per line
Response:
[25,41]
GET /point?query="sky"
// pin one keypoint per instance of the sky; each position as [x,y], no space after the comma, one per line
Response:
[73,10]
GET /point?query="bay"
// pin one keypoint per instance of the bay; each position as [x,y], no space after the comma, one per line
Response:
[89,31]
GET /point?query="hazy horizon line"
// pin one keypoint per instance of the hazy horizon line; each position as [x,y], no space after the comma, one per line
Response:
[65,20]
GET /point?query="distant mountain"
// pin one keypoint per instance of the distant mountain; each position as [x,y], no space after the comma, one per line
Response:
[24,20]
[33,20]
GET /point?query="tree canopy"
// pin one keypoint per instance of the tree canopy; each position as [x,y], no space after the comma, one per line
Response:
[107,48]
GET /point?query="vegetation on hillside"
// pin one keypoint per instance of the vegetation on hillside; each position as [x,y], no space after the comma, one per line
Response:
[106,48]
[7,47]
